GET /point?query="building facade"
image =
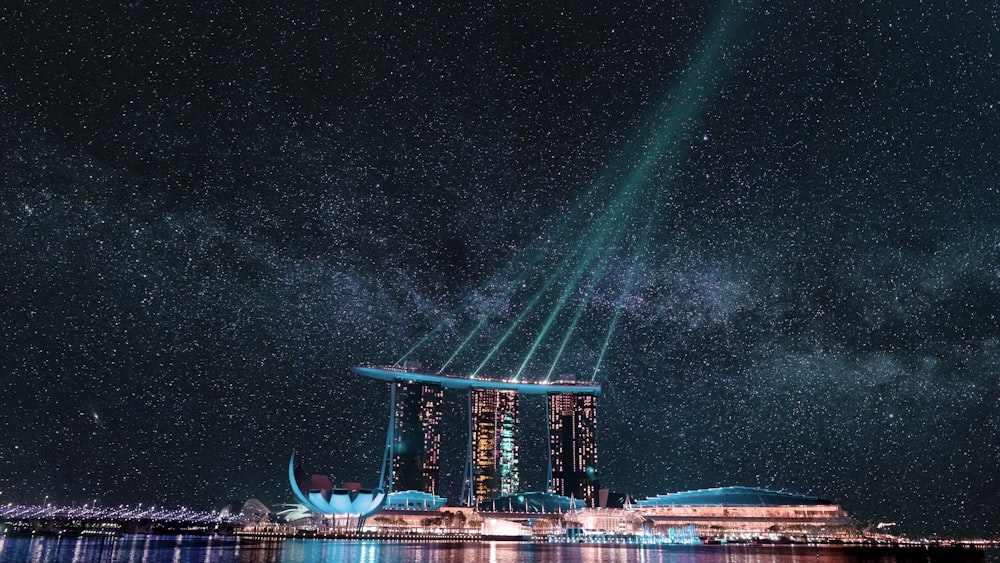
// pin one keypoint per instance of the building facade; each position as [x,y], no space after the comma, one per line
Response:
[411,458]
[747,512]
[416,439]
[493,443]
[572,420]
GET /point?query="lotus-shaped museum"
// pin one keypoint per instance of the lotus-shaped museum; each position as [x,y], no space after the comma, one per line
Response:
[317,493]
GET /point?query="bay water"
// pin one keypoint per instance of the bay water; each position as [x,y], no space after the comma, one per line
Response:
[177,549]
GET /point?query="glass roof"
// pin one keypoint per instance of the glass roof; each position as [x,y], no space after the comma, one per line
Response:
[731,496]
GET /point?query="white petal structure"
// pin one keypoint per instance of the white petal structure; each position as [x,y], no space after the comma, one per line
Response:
[335,500]
[294,512]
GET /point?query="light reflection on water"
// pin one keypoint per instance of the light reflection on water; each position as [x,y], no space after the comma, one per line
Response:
[183,549]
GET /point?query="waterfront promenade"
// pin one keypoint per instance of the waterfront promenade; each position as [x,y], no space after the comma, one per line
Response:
[112,520]
[127,520]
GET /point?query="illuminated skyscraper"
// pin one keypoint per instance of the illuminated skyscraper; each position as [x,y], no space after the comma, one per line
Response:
[573,445]
[493,421]
[415,438]
[411,458]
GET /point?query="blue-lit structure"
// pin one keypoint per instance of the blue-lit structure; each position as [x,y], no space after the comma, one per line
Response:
[327,499]
[532,502]
[492,458]
[414,500]
[746,513]
[397,373]
[731,496]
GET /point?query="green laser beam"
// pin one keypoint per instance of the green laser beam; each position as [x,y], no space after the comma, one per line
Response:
[482,321]
[664,136]
[621,205]
[577,315]
[602,226]
[574,280]
[644,239]
[551,279]
[689,90]
[419,343]
[629,282]
[567,219]
[517,321]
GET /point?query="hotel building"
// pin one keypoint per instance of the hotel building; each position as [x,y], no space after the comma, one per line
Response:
[572,424]
[493,426]
[412,452]
[415,441]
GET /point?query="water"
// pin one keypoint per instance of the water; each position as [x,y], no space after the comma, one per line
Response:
[177,549]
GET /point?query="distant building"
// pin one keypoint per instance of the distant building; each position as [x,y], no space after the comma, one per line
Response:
[493,443]
[572,420]
[746,512]
[416,440]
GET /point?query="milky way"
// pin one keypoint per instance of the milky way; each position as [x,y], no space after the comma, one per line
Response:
[209,214]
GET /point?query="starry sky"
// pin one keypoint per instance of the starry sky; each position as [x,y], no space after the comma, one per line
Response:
[780,217]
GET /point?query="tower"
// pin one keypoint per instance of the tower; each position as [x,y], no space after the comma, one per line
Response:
[411,457]
[573,445]
[493,455]
[414,439]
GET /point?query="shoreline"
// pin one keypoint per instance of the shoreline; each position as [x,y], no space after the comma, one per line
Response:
[624,540]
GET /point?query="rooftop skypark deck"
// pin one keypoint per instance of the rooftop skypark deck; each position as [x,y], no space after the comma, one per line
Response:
[399,373]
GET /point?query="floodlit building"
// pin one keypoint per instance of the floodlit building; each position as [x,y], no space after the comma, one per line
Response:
[746,512]
[416,439]
[412,451]
[573,508]
[607,520]
[493,442]
[317,493]
[572,424]
[414,500]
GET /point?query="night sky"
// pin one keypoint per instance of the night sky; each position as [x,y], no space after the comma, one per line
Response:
[786,212]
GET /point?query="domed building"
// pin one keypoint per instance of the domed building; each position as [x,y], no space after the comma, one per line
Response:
[746,513]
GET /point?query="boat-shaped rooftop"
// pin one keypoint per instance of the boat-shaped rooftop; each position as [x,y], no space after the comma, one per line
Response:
[400,373]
